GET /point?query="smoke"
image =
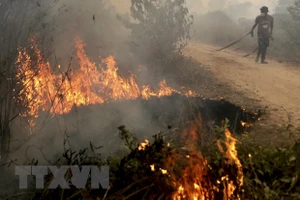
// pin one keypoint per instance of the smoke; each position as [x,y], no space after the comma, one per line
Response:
[95,23]
[235,8]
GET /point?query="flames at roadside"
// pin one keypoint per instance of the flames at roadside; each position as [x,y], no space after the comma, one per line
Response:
[57,93]
[189,172]
[43,90]
[195,184]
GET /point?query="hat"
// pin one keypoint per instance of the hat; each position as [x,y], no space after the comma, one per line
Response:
[264,9]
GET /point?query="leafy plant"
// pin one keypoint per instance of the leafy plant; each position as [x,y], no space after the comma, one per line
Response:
[150,172]
[161,28]
[295,10]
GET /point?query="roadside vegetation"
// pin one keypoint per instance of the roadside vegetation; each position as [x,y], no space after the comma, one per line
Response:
[157,170]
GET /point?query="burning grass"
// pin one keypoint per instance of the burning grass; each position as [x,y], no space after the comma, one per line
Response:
[43,90]
[186,164]
[160,171]
[224,168]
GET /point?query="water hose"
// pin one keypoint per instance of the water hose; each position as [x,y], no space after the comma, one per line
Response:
[233,43]
[251,52]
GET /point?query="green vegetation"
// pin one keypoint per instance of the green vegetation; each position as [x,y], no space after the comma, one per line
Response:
[268,172]
[160,29]
[295,10]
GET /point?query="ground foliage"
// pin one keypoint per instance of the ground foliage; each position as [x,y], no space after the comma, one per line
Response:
[269,172]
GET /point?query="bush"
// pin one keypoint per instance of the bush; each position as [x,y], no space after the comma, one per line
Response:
[160,29]
[158,170]
[295,10]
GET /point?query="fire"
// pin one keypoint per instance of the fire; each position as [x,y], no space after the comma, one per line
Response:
[232,156]
[245,124]
[144,145]
[152,167]
[43,90]
[190,137]
[194,182]
[163,171]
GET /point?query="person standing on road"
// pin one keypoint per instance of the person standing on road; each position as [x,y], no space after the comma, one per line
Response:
[265,23]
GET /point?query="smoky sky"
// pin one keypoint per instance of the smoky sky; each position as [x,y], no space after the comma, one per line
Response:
[204,6]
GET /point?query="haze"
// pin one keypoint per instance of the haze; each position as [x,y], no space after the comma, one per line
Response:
[204,6]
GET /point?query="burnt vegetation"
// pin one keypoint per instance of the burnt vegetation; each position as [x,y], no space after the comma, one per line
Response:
[268,173]
[202,149]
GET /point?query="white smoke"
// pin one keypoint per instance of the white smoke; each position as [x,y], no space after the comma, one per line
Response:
[205,6]
[250,7]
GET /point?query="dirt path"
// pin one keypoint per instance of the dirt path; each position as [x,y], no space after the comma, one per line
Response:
[276,85]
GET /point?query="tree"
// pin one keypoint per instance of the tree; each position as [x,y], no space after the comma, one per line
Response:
[295,10]
[282,6]
[160,30]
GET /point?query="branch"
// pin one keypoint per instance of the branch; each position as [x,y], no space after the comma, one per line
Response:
[40,149]
[138,191]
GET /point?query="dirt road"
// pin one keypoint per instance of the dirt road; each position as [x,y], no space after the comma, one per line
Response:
[275,86]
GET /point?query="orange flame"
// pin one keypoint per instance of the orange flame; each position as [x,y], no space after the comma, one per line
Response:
[232,156]
[42,90]
[143,145]
[193,184]
[245,124]
[191,136]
